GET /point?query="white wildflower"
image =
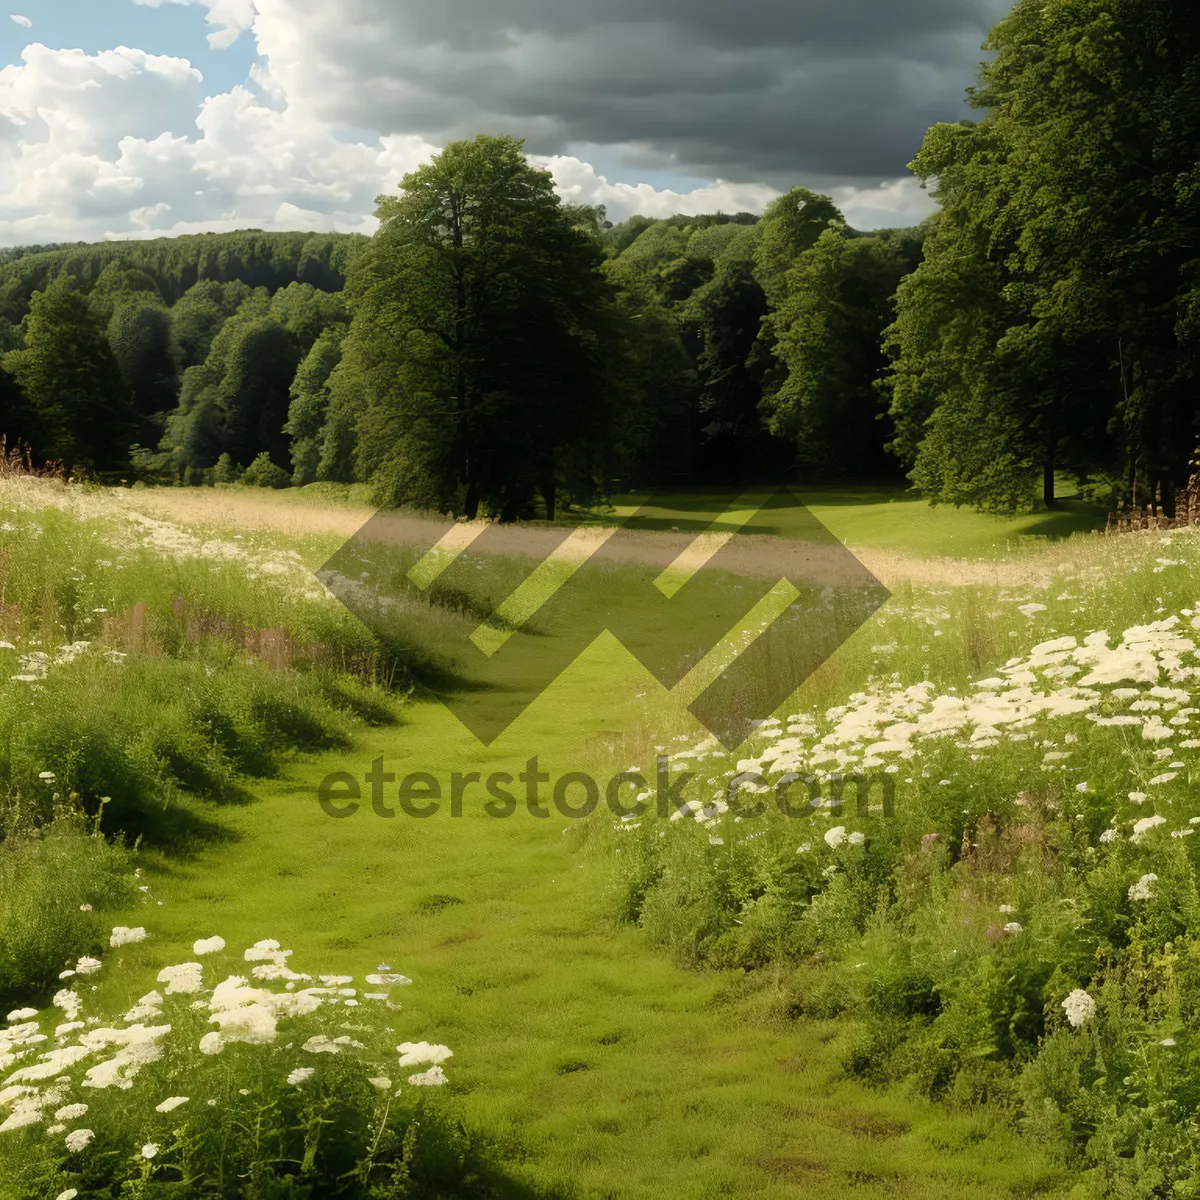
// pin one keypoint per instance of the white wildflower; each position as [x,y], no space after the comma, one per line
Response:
[1079,1007]
[208,945]
[835,837]
[1146,824]
[71,1112]
[78,1139]
[1144,888]
[434,1077]
[1014,927]
[300,1075]
[412,1054]
[171,1103]
[150,1149]
[186,978]
[122,935]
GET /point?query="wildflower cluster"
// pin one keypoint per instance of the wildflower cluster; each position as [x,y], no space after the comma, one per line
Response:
[192,1057]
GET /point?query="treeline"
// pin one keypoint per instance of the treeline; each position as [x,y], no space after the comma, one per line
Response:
[490,348]
[494,349]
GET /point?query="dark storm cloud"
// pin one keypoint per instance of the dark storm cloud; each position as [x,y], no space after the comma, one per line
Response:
[764,89]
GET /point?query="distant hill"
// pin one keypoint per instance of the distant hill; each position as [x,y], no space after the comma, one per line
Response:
[258,259]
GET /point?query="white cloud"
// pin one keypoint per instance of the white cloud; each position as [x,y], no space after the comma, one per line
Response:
[126,144]
[20,20]
[230,17]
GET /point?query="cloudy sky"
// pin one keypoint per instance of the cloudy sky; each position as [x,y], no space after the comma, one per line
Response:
[125,118]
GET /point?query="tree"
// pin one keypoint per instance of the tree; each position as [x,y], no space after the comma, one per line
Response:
[79,404]
[1072,209]
[829,330]
[253,395]
[478,344]
[139,334]
[309,405]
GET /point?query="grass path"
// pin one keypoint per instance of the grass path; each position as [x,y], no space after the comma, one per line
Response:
[607,1070]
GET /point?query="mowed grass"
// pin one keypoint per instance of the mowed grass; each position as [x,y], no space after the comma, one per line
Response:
[600,1067]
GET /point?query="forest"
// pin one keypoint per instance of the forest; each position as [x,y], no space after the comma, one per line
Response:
[494,350]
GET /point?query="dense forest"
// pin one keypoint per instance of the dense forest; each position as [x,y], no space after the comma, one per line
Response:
[494,349]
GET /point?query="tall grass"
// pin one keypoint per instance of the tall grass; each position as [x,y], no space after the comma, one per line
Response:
[1024,932]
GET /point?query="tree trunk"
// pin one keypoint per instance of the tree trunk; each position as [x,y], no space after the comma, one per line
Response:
[548,496]
[471,503]
[1048,483]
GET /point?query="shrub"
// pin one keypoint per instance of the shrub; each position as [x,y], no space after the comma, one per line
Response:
[262,472]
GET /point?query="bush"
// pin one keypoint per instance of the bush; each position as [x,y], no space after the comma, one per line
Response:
[262,472]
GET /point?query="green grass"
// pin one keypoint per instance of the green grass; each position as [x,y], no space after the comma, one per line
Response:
[892,518]
[595,1063]
[614,1071]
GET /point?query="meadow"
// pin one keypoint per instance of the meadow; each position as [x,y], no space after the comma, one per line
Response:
[988,993]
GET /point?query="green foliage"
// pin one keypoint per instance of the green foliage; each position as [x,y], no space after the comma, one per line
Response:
[139,333]
[262,472]
[828,330]
[56,880]
[481,335]
[1051,318]
[78,403]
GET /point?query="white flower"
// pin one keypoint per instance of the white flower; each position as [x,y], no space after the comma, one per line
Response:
[1138,797]
[122,935]
[1166,777]
[434,1077]
[1144,888]
[21,1014]
[835,837]
[320,1044]
[1014,927]
[88,966]
[149,1150]
[71,1112]
[379,1081]
[1167,1042]
[1110,835]
[1146,824]
[208,945]
[300,1075]
[414,1053]
[85,908]
[187,978]
[212,1043]
[1079,1007]
[1007,908]
[1081,787]
[171,1103]
[77,1139]
[387,979]
[856,838]
[69,1194]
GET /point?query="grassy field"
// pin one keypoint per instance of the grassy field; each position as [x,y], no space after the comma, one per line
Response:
[597,1063]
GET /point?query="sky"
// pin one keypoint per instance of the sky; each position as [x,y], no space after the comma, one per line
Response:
[138,118]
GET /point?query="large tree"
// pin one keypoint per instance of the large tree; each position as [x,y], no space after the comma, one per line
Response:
[1072,206]
[481,338]
[78,404]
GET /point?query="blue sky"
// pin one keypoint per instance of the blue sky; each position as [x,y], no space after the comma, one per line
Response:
[94,25]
